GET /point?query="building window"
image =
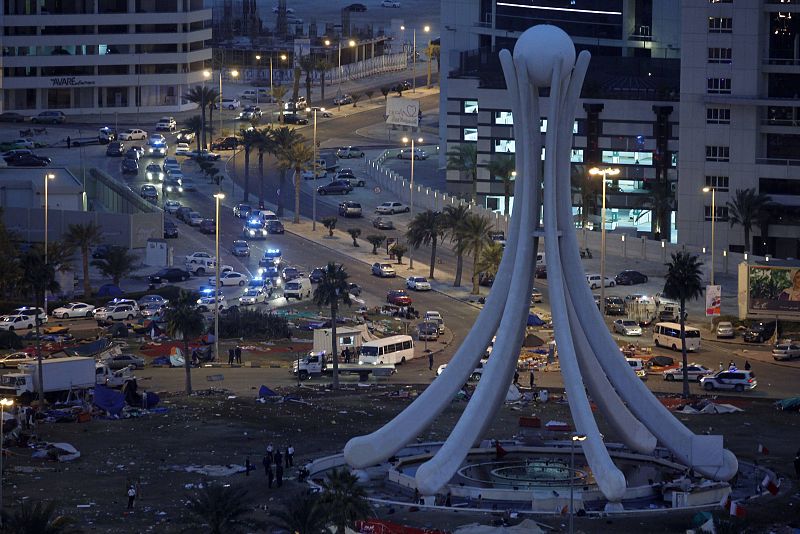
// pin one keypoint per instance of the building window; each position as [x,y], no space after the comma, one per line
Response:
[718,116]
[720,25]
[719,55]
[720,1]
[718,153]
[503,146]
[720,183]
[779,186]
[623,157]
[503,117]
[469,134]
[576,155]
[470,106]
[493,203]
[719,86]
[722,213]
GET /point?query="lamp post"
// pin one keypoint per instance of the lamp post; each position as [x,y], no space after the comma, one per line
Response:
[217,197]
[575,437]
[206,76]
[3,404]
[47,178]
[426,29]
[314,171]
[605,173]
[713,191]
[258,59]
[350,43]
[271,87]
[411,193]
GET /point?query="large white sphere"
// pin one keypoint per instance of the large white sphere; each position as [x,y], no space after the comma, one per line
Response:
[540,48]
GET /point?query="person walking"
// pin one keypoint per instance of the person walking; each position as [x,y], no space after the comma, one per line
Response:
[530,379]
[69,142]
[747,365]
[721,367]
[279,475]
[131,496]
[270,476]
[430,361]
[289,456]
[278,457]
[247,467]
[238,352]
[516,378]
[231,356]
[270,453]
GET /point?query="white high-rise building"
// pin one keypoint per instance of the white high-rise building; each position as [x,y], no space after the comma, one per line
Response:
[102,55]
[740,121]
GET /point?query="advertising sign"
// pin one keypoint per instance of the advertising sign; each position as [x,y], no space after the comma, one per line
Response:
[402,111]
[713,300]
[773,291]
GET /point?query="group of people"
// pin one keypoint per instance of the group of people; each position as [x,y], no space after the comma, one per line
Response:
[275,459]
[732,366]
[348,355]
[235,355]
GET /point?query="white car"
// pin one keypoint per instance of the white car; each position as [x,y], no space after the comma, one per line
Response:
[171,206]
[418,283]
[33,312]
[390,3]
[694,370]
[16,322]
[171,164]
[626,327]
[725,329]
[182,149]
[405,153]
[252,296]
[133,134]
[166,123]
[200,257]
[24,142]
[208,303]
[786,351]
[154,173]
[384,270]
[228,103]
[74,309]
[390,208]
[229,279]
[594,281]
[120,312]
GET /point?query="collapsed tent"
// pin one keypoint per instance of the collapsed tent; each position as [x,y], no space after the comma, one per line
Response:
[534,320]
[792,404]
[109,400]
[264,391]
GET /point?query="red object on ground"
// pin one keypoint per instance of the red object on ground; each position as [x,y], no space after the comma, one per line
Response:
[530,422]
[375,526]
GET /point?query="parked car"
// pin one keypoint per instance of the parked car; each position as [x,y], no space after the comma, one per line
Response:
[382,223]
[336,187]
[405,153]
[418,283]
[119,312]
[294,118]
[594,281]
[121,361]
[27,160]
[627,278]
[350,152]
[725,330]
[398,297]
[227,103]
[384,270]
[731,380]
[348,208]
[170,275]
[166,123]
[73,309]
[170,230]
[49,117]
[16,322]
[10,116]
[129,166]
[274,226]
[199,257]
[203,155]
[343,100]
[402,86]
[694,370]
[182,149]
[759,332]
[615,306]
[133,134]
[225,143]
[354,289]
[100,251]
[627,327]
[185,136]
[390,208]
[427,331]
[240,248]
[786,351]
[229,279]
[10,361]
[241,210]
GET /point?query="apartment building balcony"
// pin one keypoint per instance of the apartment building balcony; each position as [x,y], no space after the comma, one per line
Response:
[108,19]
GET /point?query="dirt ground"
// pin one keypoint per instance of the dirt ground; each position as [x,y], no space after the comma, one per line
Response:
[209,428]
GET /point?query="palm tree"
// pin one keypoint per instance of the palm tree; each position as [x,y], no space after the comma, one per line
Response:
[296,83]
[195,125]
[683,282]
[117,263]
[222,509]
[205,97]
[767,215]
[83,237]
[453,223]
[185,321]
[303,515]
[504,166]
[249,139]
[490,259]
[323,66]
[282,140]
[744,209]
[37,518]
[345,500]
[296,159]
[38,278]
[279,93]
[660,202]
[308,65]
[331,290]
[474,240]
[426,229]
[464,158]
[264,145]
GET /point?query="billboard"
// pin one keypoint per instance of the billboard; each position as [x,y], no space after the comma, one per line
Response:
[402,111]
[713,300]
[773,291]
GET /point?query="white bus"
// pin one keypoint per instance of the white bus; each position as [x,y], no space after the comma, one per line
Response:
[389,350]
[669,335]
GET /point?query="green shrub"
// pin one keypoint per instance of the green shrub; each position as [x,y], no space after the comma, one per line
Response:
[242,323]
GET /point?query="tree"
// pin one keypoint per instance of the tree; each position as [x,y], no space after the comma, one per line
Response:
[355,97]
[282,140]
[399,250]
[330,224]
[490,259]
[426,229]
[660,203]
[369,93]
[331,290]
[37,518]
[504,166]
[464,158]
[195,125]
[768,214]
[345,500]
[83,237]
[323,66]
[375,240]
[211,171]
[474,240]
[296,84]
[385,92]
[308,65]
[9,263]
[279,93]
[204,97]
[117,263]
[296,159]
[265,145]
[683,282]
[249,139]
[223,509]
[453,221]
[744,210]
[355,233]
[303,515]
[185,322]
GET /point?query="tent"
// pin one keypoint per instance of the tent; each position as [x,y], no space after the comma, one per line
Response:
[534,320]
[109,400]
[109,290]
[513,394]
[264,391]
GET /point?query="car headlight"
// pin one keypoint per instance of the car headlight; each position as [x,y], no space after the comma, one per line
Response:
[252,233]
[180,190]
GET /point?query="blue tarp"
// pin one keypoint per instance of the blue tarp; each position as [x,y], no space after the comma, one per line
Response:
[109,290]
[264,391]
[534,320]
[89,349]
[109,400]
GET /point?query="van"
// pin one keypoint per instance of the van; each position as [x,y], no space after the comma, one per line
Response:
[248,94]
[298,288]
[669,335]
[435,317]
[637,364]
[389,350]
[540,259]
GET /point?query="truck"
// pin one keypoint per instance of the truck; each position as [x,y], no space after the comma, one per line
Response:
[104,376]
[104,136]
[60,377]
[319,363]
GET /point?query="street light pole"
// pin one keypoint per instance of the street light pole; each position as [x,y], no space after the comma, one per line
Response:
[575,437]
[339,89]
[713,191]
[47,178]
[314,172]
[414,67]
[411,193]
[206,76]
[258,60]
[605,173]
[3,403]
[218,197]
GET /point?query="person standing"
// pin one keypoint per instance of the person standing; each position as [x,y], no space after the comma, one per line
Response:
[238,353]
[270,475]
[131,496]
[531,379]
[430,361]
[69,142]
[516,378]
[289,456]
[247,467]
[270,453]
[231,356]
[278,474]
[278,457]
[747,365]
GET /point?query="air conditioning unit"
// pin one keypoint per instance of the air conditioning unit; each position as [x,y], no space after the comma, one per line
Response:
[673,186]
